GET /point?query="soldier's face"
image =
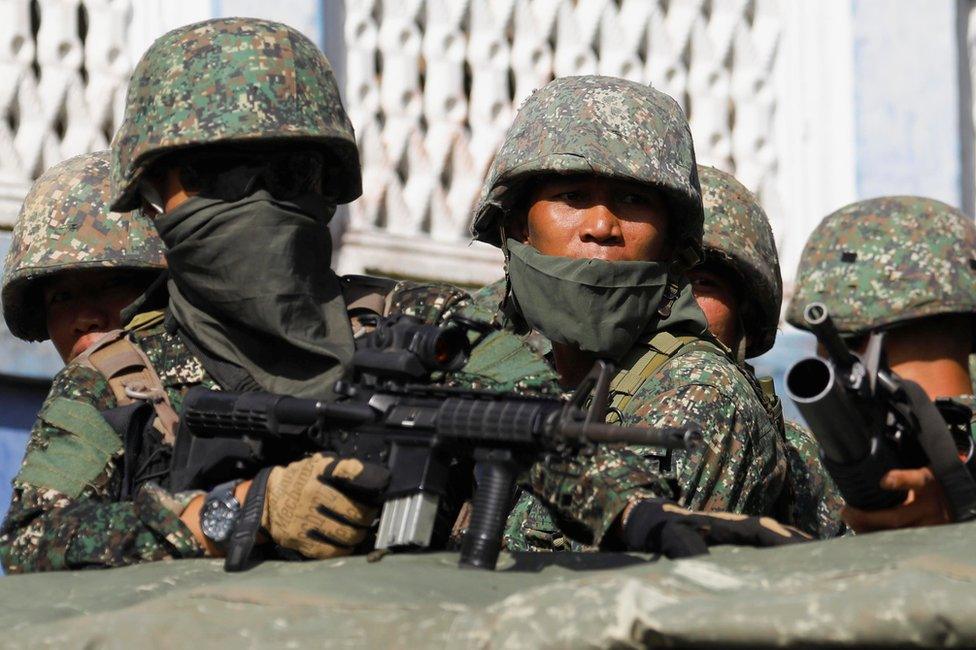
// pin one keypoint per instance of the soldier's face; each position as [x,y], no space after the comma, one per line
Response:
[716,295]
[81,306]
[589,217]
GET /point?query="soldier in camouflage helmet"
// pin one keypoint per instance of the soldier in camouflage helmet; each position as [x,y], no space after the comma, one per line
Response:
[906,265]
[594,198]
[236,144]
[73,264]
[739,288]
[739,277]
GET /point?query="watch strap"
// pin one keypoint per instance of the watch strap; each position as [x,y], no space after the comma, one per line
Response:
[242,540]
[223,493]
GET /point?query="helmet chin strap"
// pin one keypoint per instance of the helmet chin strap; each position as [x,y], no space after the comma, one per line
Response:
[685,259]
[509,305]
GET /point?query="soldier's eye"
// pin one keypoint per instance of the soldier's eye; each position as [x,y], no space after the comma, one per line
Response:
[635,198]
[59,296]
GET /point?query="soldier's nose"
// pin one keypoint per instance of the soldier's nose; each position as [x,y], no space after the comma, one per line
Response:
[601,226]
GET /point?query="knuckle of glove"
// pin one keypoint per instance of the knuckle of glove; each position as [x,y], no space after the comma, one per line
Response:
[364,477]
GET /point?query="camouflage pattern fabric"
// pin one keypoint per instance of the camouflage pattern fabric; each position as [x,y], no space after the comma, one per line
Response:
[903,588]
[233,81]
[738,237]
[596,125]
[741,467]
[47,528]
[885,261]
[815,500]
[64,225]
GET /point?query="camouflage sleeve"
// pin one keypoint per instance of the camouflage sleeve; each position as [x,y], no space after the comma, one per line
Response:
[740,467]
[816,502]
[63,514]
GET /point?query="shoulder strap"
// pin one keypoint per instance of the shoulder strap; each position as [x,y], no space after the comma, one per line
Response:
[645,359]
[131,377]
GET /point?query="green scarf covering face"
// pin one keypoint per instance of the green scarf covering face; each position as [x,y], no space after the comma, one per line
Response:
[598,306]
[250,282]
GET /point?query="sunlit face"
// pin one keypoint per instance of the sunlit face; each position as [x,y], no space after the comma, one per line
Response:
[592,217]
[83,305]
[716,295]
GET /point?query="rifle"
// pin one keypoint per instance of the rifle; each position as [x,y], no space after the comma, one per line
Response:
[418,430]
[868,420]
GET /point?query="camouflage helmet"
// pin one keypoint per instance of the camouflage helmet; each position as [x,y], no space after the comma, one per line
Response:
[65,225]
[596,125]
[233,81]
[738,236]
[885,261]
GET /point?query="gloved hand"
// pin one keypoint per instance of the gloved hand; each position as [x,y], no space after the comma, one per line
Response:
[662,526]
[322,506]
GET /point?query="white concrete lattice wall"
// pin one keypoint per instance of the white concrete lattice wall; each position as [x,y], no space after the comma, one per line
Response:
[431,86]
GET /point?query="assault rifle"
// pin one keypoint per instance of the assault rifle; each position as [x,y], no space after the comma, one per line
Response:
[393,414]
[868,420]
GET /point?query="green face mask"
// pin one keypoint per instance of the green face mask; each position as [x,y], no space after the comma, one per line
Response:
[598,306]
[250,282]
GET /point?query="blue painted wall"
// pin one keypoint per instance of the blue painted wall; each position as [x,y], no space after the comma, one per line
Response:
[19,403]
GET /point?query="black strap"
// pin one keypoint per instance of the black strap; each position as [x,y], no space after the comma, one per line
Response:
[129,422]
[943,455]
[242,540]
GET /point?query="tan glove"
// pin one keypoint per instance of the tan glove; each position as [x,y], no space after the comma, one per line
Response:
[322,506]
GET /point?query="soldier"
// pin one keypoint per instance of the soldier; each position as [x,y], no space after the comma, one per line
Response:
[905,265]
[594,199]
[236,144]
[740,290]
[73,265]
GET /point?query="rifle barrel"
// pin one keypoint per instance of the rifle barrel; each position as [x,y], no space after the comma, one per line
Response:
[668,437]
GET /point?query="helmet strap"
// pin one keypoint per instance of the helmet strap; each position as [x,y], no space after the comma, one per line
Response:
[684,260]
[509,304]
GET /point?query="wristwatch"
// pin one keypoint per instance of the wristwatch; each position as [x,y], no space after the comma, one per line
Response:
[219,513]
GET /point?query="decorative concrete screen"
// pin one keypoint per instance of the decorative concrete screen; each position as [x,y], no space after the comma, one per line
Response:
[63,69]
[432,86]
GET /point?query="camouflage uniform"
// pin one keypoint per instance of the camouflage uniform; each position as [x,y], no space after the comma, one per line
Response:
[65,225]
[618,129]
[67,511]
[885,262]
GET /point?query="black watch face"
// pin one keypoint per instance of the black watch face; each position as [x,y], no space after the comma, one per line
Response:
[218,517]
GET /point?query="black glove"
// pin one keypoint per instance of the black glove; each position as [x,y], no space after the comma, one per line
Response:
[664,527]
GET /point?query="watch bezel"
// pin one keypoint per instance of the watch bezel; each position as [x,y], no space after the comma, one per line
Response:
[219,512]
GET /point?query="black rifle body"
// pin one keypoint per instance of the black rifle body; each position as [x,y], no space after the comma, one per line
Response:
[419,432]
